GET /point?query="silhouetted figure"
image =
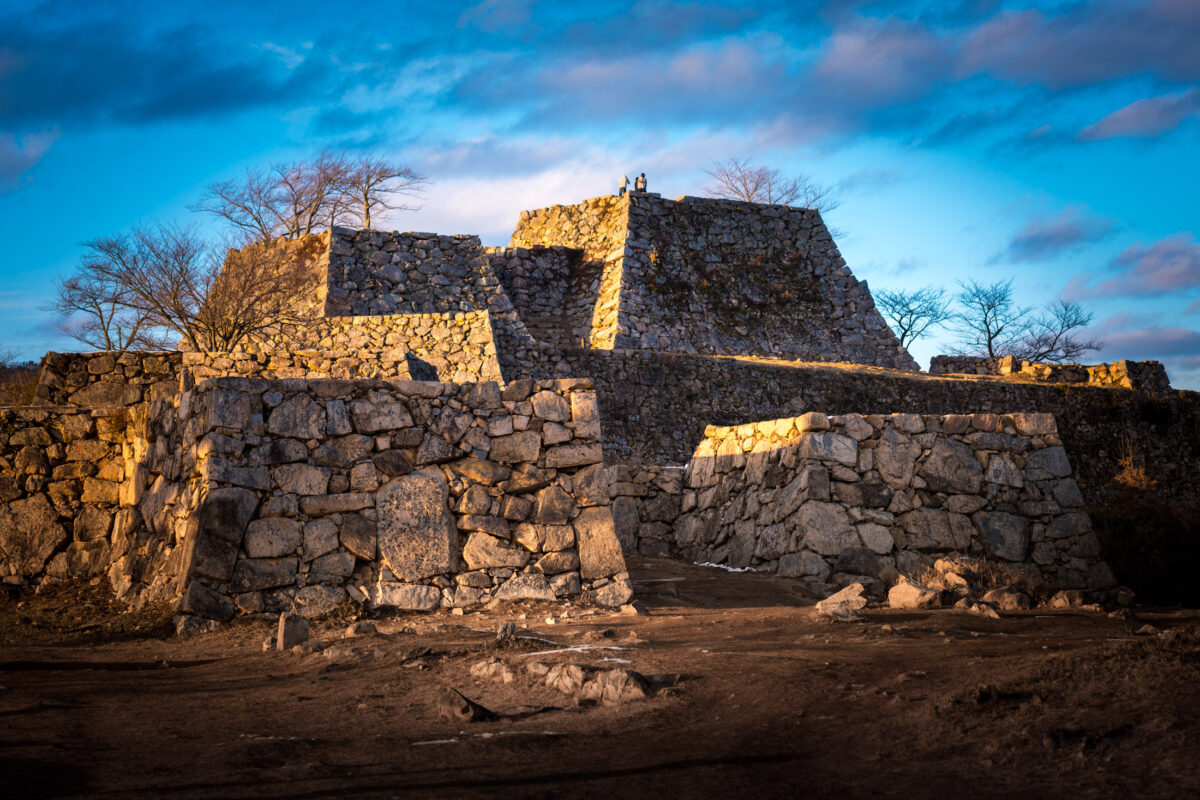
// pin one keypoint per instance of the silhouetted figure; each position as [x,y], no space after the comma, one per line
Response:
[640,184]
[622,185]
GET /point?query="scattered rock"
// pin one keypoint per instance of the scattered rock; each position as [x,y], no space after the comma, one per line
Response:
[361,628]
[906,594]
[293,630]
[1007,598]
[453,705]
[492,669]
[187,625]
[844,605]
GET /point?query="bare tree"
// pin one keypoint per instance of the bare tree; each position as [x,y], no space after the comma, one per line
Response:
[739,179]
[260,290]
[371,182]
[989,323]
[912,313]
[94,311]
[1054,334]
[291,200]
[285,200]
[171,279]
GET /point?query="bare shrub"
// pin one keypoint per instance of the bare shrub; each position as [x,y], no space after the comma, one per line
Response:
[739,179]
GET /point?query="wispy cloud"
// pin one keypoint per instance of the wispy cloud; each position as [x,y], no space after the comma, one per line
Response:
[1168,266]
[1049,237]
[1147,118]
[19,155]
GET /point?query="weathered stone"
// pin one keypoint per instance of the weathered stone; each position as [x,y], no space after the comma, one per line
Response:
[372,417]
[1006,598]
[626,522]
[391,463]
[297,417]
[1003,471]
[301,479]
[484,551]
[481,471]
[826,528]
[599,551]
[844,604]
[556,562]
[314,602]
[553,506]
[912,595]
[613,594]
[343,451]
[829,447]
[858,561]
[416,534]
[551,406]
[803,564]
[293,630]
[896,458]
[1049,461]
[930,529]
[573,455]
[216,528]
[525,586]
[952,467]
[518,447]
[591,487]
[202,601]
[252,574]
[321,505]
[875,538]
[92,523]
[585,414]
[1068,525]
[1004,535]
[278,451]
[406,596]
[273,537]
[333,568]
[320,537]
[359,536]
[496,526]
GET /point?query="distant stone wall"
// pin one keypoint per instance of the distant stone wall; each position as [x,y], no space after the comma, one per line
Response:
[407,494]
[550,288]
[732,278]
[1148,376]
[598,227]
[832,499]
[715,276]
[107,379]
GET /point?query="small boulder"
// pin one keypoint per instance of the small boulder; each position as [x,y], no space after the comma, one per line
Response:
[845,604]
[906,594]
[1007,598]
[293,630]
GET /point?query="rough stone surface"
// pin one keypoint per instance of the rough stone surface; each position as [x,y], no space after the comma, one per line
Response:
[416,534]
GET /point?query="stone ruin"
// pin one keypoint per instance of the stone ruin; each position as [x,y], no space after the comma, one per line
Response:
[455,425]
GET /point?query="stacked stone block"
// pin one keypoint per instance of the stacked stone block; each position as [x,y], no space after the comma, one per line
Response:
[404,494]
[1149,376]
[830,499]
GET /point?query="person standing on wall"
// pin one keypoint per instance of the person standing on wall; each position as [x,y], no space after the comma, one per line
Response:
[622,185]
[640,184]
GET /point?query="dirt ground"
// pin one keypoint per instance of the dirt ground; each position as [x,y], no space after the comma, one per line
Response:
[752,696]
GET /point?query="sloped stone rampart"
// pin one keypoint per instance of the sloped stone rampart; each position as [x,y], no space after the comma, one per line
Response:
[1148,376]
[715,276]
[830,498]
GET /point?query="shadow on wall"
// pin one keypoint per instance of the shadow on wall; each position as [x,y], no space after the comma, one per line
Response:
[420,370]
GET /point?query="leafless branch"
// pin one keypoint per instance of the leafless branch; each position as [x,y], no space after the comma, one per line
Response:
[912,313]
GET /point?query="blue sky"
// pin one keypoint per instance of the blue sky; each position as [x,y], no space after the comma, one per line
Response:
[1054,143]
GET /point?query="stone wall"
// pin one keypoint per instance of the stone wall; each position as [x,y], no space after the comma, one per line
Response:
[551,290]
[598,227]
[832,499]
[409,494]
[715,276]
[107,379]
[1148,376]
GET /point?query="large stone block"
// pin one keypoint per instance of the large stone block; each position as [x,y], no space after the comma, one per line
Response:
[29,534]
[952,467]
[416,534]
[599,550]
[1004,535]
[298,417]
[826,528]
[932,529]
[216,529]
[273,537]
[406,596]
